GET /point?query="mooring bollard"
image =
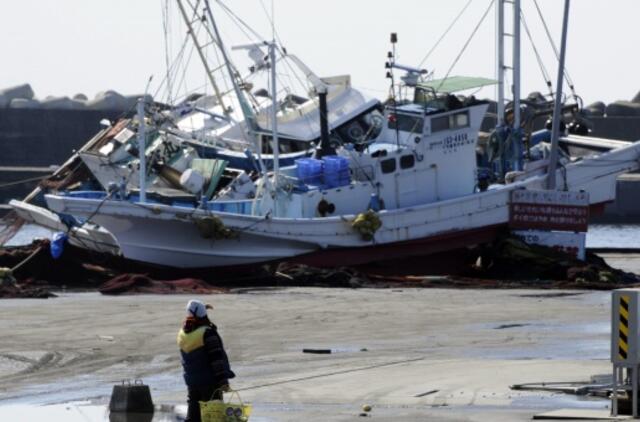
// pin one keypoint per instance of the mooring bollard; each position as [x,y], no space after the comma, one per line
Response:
[131,398]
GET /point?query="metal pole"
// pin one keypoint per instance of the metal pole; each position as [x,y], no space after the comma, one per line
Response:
[247,111]
[207,68]
[557,109]
[274,113]
[142,158]
[516,64]
[614,392]
[325,146]
[634,390]
[500,60]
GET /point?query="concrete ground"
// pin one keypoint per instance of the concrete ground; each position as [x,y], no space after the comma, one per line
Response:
[412,354]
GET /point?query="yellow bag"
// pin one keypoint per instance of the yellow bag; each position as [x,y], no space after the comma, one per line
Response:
[225,411]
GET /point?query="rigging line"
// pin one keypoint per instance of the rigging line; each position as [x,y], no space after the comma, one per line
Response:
[306,118]
[241,25]
[466,44]
[269,18]
[273,19]
[296,75]
[543,69]
[174,65]
[167,48]
[236,79]
[260,37]
[455,20]
[239,20]
[233,75]
[185,68]
[553,46]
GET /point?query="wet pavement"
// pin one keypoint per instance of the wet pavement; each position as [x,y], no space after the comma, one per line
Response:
[411,354]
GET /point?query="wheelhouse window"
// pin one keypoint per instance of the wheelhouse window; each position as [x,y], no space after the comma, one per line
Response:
[452,121]
[406,123]
[461,119]
[388,165]
[407,161]
[438,124]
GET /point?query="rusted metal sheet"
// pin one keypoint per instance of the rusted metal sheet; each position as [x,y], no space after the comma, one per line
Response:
[549,210]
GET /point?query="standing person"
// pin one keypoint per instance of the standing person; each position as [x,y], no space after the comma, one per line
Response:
[204,361]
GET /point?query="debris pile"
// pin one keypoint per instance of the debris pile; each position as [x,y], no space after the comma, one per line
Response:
[140,284]
[508,262]
[288,274]
[13,290]
[513,261]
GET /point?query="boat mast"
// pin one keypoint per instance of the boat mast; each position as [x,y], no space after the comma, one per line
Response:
[247,111]
[516,67]
[512,133]
[557,109]
[142,159]
[500,61]
[274,113]
[203,58]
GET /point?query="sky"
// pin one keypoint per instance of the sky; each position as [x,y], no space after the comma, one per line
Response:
[64,47]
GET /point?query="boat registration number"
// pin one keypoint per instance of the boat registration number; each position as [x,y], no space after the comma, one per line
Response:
[451,143]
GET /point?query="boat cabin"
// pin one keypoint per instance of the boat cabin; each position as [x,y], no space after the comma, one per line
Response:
[423,154]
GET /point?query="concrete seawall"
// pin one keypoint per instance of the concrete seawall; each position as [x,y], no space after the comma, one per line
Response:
[34,139]
[46,137]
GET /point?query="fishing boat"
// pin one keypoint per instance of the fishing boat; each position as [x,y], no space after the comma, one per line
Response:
[424,186]
[206,135]
[413,191]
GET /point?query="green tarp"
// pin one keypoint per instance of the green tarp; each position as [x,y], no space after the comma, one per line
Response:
[457,83]
[211,169]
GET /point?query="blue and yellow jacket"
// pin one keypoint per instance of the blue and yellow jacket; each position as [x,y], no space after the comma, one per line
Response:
[204,361]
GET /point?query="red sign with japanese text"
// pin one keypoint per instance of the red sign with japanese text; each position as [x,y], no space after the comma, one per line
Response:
[549,210]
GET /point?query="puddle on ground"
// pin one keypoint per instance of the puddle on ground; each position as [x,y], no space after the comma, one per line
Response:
[550,295]
[593,342]
[78,412]
[88,412]
[558,401]
[86,387]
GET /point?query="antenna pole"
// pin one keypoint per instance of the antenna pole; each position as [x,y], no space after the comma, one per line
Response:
[557,109]
[500,60]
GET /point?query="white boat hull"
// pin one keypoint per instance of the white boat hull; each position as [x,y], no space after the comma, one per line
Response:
[88,236]
[167,235]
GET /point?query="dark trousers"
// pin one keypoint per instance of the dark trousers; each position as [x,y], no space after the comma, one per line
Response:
[198,394]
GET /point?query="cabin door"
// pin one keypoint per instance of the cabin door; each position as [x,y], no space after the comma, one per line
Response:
[416,186]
